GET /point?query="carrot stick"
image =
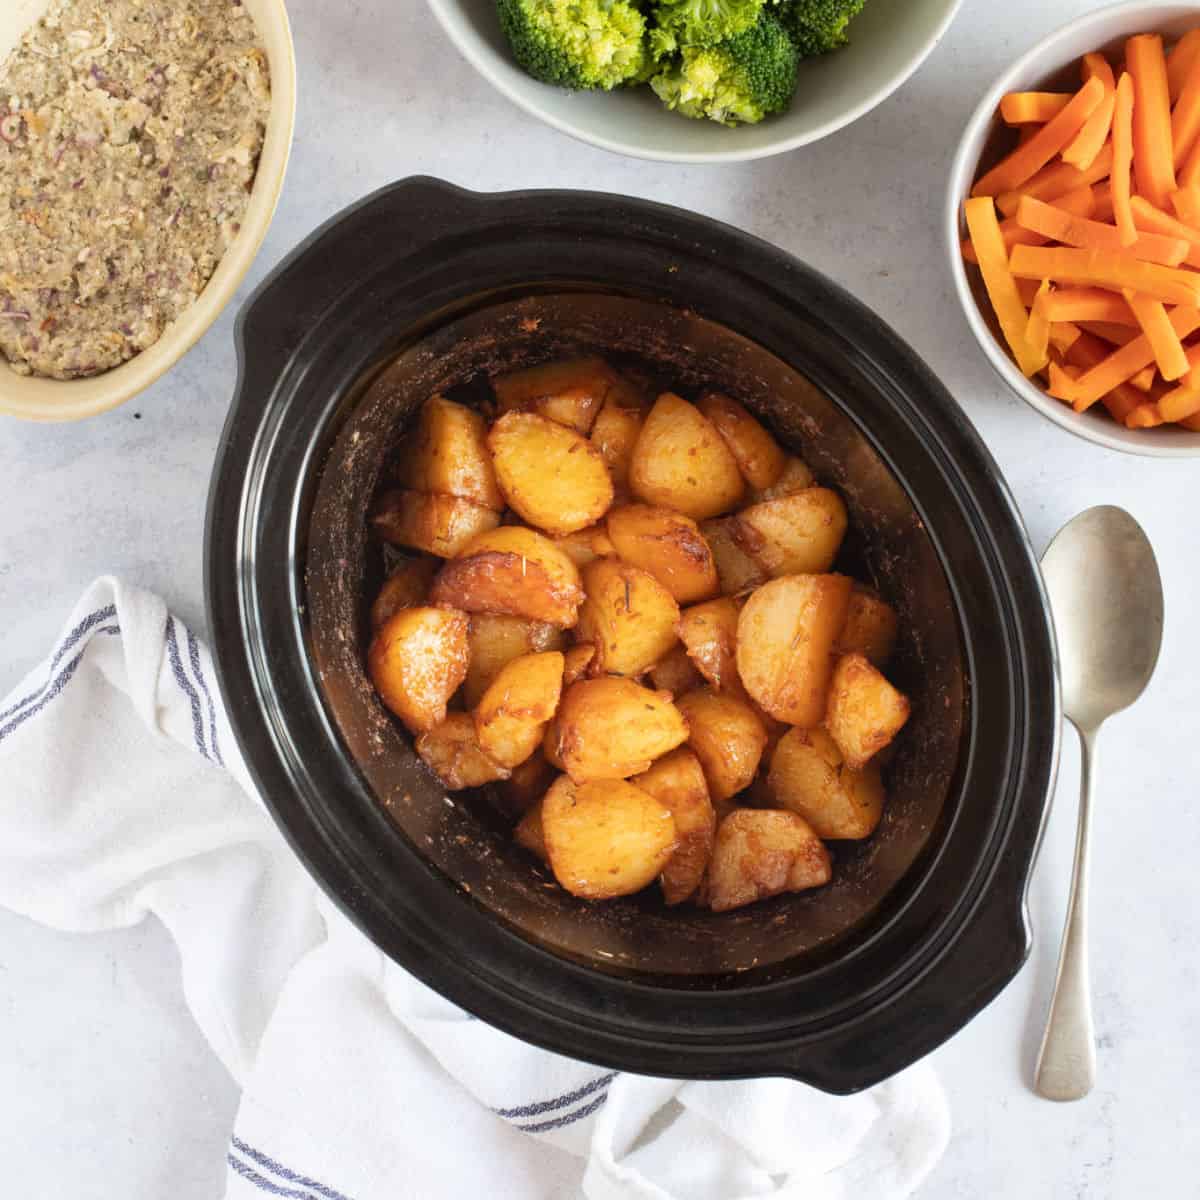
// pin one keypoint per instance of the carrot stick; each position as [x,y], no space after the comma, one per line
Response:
[1087,352]
[1109,331]
[1144,379]
[1023,108]
[1089,141]
[1183,401]
[1145,416]
[1153,156]
[1028,159]
[1001,287]
[1186,203]
[1152,220]
[1027,289]
[1089,304]
[1189,173]
[1063,335]
[1122,142]
[1056,180]
[1102,206]
[1180,62]
[1078,203]
[1054,224]
[1037,331]
[1102,268]
[1185,118]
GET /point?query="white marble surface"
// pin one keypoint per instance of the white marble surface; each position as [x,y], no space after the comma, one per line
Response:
[98,1074]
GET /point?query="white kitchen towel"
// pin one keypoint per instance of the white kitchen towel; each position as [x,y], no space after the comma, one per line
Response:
[123,795]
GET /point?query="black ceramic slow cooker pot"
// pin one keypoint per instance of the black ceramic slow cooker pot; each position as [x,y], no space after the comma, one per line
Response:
[424,287]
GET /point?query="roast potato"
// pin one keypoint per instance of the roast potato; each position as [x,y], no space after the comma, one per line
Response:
[440,525]
[759,456]
[681,462]
[628,616]
[577,661]
[605,839]
[759,853]
[511,718]
[495,641]
[515,571]
[799,534]
[585,545]
[446,455]
[795,477]
[709,634]
[549,474]
[667,545]
[676,673]
[526,785]
[726,736]
[786,632]
[530,834]
[677,782]
[809,776]
[613,728]
[865,712]
[871,627]
[406,587]
[416,662]
[571,393]
[737,572]
[452,752]
[614,435]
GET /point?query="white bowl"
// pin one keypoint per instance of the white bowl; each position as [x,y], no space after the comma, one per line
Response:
[71,400]
[1051,57]
[889,39]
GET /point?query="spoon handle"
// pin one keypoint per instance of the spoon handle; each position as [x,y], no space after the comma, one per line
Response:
[1066,1068]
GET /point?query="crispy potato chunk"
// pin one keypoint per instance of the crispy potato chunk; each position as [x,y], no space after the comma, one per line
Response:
[513,571]
[709,634]
[727,737]
[571,393]
[614,435]
[446,455]
[452,752]
[578,659]
[681,462]
[549,474]
[677,782]
[760,853]
[759,456]
[440,525]
[795,477]
[526,785]
[786,632]
[416,662]
[495,641]
[667,545]
[613,728]
[865,712]
[605,839]
[871,627]
[530,834]
[737,572]
[676,673]
[628,616]
[809,776]
[586,545]
[512,716]
[406,587]
[794,535]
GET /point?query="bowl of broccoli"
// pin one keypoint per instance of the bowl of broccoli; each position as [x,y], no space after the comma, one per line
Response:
[696,80]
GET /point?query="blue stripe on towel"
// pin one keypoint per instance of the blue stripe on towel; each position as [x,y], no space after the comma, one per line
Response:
[68,644]
[264,1184]
[185,685]
[194,659]
[568,1119]
[545,1106]
[283,1172]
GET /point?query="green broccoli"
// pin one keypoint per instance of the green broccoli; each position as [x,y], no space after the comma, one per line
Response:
[576,43]
[817,26]
[742,80]
[706,22]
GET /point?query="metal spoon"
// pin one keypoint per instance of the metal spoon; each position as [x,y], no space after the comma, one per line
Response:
[1106,596]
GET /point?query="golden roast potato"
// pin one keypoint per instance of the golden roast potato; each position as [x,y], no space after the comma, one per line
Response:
[795,477]
[585,545]
[628,616]
[709,634]
[406,587]
[511,718]
[416,662]
[758,454]
[871,627]
[526,785]
[667,545]
[798,534]
[452,752]
[809,776]
[676,673]
[614,435]
[571,392]
[677,782]
[447,455]
[737,572]
[726,736]
[578,659]
[530,834]
[495,641]
[865,712]
[440,525]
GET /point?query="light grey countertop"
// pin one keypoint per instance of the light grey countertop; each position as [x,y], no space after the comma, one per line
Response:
[98,1075]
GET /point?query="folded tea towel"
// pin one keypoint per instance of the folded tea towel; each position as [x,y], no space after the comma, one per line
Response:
[124,796]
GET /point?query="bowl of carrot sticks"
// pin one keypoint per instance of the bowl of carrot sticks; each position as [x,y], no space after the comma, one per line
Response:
[1073,227]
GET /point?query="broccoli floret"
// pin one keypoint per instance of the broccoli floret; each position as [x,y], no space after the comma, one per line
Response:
[738,82]
[576,43]
[818,26]
[706,22]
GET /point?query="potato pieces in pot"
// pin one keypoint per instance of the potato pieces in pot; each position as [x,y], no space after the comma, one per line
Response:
[677,782]
[452,752]
[605,839]
[526,786]
[577,660]
[628,616]
[871,627]
[669,546]
[585,545]
[613,728]
[511,718]
[406,587]
[795,477]
[799,534]
[709,634]
[571,393]
[550,475]
[809,776]
[759,456]
[447,455]
[737,572]
[865,712]
[530,835]
[614,435]
[495,641]
[681,462]
[761,852]
[676,673]
[417,661]
[440,525]
[727,737]
[512,571]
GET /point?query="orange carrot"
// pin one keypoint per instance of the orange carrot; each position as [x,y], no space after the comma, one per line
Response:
[1078,203]
[1153,156]
[1023,108]
[1089,304]
[1063,335]
[1144,379]
[1001,287]
[1122,142]
[1102,268]
[1180,62]
[1102,206]
[1028,159]
[1151,220]
[1110,331]
[1089,141]
[1185,118]
[1186,203]
[1183,401]
[1087,352]
[1058,226]
[1145,416]
[1027,289]
[1056,180]
[1037,330]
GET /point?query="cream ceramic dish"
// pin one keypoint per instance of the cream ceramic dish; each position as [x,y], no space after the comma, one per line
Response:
[1052,65]
[59,400]
[889,40]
